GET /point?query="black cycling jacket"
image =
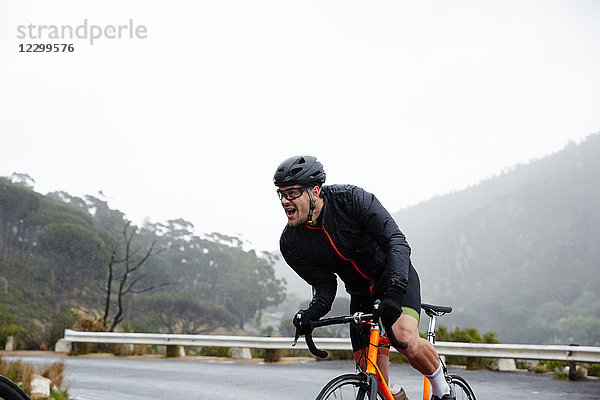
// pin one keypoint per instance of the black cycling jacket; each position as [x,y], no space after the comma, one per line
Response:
[356,238]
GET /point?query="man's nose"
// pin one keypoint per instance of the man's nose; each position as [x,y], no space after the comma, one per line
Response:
[285,201]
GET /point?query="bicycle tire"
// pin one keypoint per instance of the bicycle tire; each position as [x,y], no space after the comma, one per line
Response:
[347,387]
[461,387]
[10,391]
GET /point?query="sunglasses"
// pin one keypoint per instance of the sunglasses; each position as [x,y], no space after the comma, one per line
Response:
[291,194]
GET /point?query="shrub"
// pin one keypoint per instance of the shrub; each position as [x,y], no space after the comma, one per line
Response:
[544,366]
[58,394]
[340,355]
[16,331]
[126,350]
[272,355]
[18,372]
[64,320]
[88,325]
[54,372]
[561,374]
[213,351]
[22,373]
[593,369]
[468,335]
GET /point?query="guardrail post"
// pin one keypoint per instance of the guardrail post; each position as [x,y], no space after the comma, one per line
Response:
[504,364]
[10,343]
[572,368]
[242,353]
[572,365]
[175,351]
[63,346]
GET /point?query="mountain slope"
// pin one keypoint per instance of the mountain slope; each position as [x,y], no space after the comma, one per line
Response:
[502,250]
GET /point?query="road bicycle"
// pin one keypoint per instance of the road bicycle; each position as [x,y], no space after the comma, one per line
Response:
[370,384]
[10,391]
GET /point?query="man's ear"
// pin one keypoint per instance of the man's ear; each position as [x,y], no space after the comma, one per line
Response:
[315,191]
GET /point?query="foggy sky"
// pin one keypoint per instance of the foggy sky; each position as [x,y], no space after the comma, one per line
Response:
[407,99]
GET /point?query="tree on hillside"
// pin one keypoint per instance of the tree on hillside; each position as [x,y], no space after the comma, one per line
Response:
[128,279]
[18,207]
[108,219]
[22,179]
[248,286]
[178,313]
[74,253]
[218,270]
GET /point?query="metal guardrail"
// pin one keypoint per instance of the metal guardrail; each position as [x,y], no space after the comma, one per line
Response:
[515,351]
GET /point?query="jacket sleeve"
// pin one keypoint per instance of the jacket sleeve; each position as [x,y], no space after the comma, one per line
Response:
[376,221]
[324,283]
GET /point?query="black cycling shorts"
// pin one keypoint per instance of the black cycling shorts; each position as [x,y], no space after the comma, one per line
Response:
[411,305]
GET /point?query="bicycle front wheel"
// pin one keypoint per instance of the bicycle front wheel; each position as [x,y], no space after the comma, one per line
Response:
[461,388]
[10,391]
[347,387]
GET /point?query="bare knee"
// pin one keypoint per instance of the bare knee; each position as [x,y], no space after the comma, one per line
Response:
[415,348]
[406,330]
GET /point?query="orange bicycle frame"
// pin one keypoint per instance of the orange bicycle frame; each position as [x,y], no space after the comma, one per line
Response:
[372,353]
[372,368]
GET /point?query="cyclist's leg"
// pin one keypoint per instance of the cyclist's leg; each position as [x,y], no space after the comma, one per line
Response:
[360,337]
[383,361]
[421,354]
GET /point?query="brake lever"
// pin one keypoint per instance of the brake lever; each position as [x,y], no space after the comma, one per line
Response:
[390,335]
[297,335]
[381,327]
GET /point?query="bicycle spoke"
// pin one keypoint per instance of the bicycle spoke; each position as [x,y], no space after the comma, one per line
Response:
[346,387]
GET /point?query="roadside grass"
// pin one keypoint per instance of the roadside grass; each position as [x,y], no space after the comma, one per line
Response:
[18,372]
[22,373]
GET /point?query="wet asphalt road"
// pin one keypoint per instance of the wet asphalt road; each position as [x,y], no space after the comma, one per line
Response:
[162,379]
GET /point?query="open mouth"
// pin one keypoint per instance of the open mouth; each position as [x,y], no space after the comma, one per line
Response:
[289,212]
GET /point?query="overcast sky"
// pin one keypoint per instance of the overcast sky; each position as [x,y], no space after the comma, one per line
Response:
[407,99]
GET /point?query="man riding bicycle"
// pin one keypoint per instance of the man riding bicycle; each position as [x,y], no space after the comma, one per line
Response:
[345,231]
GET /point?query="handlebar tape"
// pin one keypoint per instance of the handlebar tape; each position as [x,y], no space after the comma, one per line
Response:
[313,349]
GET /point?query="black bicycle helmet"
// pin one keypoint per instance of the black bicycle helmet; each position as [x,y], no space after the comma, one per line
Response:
[299,170]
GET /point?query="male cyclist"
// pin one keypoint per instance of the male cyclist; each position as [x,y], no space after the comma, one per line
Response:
[345,231]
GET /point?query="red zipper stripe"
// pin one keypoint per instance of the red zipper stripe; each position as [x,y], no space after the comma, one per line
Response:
[348,259]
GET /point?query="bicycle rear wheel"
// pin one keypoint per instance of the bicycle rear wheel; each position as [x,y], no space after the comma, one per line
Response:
[461,388]
[10,391]
[347,387]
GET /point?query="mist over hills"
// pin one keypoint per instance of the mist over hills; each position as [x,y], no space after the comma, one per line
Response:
[517,254]
[71,262]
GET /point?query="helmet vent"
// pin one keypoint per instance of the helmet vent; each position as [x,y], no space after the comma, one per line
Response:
[295,170]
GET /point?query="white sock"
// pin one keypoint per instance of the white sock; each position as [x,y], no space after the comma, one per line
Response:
[439,386]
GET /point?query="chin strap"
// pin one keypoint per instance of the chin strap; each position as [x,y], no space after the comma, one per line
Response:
[311,209]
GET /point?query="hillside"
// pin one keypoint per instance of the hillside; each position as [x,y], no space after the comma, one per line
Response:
[62,257]
[519,253]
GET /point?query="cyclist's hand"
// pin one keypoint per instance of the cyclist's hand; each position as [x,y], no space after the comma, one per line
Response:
[302,320]
[390,308]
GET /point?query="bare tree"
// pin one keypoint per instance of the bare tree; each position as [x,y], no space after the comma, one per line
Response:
[128,280]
